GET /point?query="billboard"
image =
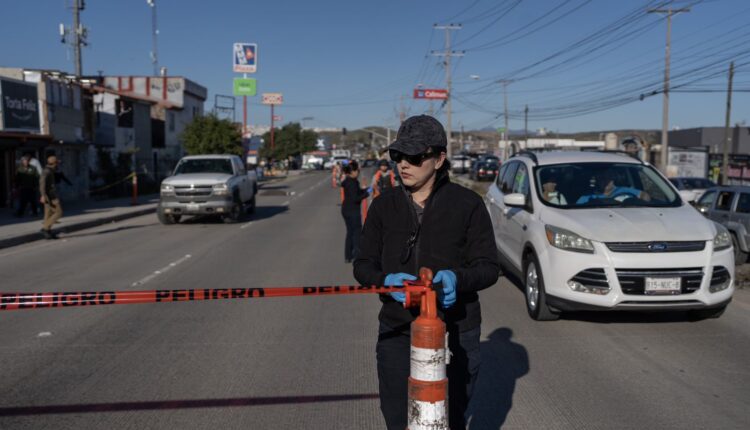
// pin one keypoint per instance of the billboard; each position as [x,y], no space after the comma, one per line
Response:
[245,57]
[244,87]
[19,105]
[273,99]
[430,94]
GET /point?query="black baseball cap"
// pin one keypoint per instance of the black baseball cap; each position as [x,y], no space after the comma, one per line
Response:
[419,133]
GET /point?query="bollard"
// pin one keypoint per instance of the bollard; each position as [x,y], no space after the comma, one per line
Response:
[428,380]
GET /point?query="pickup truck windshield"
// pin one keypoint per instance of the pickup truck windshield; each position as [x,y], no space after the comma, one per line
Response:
[208,165]
[599,185]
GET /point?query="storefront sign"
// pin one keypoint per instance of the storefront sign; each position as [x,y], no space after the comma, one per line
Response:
[20,106]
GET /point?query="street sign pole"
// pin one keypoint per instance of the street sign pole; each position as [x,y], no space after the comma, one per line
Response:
[272,143]
[244,111]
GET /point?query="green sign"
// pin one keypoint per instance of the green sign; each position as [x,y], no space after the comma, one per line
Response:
[244,87]
[501,130]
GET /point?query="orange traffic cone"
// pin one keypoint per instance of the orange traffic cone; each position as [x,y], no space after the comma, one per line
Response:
[428,380]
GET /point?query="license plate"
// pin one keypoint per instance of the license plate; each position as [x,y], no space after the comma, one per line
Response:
[193,207]
[663,285]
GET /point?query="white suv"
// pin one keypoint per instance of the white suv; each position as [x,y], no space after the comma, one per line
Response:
[604,231]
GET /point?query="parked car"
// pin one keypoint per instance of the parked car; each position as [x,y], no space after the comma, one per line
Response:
[604,231]
[730,206]
[460,163]
[208,185]
[484,171]
[697,185]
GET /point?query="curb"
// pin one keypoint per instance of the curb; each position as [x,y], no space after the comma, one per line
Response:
[32,237]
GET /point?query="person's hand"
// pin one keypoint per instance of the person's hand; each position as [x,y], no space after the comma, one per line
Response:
[42,200]
[446,295]
[369,190]
[397,280]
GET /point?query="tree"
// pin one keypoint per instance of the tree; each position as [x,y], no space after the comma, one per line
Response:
[211,135]
[289,140]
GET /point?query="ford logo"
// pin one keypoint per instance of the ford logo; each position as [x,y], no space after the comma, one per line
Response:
[658,247]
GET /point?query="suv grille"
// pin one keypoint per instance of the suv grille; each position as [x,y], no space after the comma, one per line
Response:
[632,281]
[196,191]
[692,246]
[592,278]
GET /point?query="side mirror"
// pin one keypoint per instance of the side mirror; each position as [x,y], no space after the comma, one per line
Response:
[688,196]
[515,200]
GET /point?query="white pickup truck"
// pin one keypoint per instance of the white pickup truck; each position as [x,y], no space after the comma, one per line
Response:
[208,185]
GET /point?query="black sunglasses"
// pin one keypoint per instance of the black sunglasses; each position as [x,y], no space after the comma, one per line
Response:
[414,160]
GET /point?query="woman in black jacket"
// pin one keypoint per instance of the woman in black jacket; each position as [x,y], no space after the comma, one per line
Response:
[350,209]
[427,222]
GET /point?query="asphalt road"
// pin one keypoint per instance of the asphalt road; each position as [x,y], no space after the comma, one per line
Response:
[308,363]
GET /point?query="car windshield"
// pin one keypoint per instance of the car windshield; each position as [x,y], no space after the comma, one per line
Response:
[595,185]
[697,183]
[204,165]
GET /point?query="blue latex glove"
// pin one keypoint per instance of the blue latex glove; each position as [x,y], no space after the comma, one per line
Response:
[397,280]
[369,190]
[446,295]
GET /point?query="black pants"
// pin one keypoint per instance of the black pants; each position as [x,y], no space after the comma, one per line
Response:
[353,230]
[393,371]
[27,196]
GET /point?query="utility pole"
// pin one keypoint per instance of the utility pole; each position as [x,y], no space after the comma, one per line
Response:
[665,107]
[725,161]
[76,36]
[506,135]
[154,35]
[448,54]
[526,127]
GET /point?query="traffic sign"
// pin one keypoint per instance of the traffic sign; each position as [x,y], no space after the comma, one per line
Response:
[273,98]
[430,94]
[245,57]
[277,118]
[244,87]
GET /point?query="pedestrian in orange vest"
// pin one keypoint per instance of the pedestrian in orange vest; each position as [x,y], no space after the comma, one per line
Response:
[383,179]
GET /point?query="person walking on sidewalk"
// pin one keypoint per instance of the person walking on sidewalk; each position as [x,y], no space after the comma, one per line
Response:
[50,198]
[27,181]
[427,222]
[351,209]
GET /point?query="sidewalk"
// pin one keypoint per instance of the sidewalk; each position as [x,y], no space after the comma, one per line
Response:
[76,216]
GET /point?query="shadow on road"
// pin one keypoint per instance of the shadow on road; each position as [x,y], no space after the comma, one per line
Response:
[273,187]
[503,363]
[261,213]
[87,408]
[111,230]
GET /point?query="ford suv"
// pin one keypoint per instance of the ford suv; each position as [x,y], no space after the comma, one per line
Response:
[208,185]
[604,231]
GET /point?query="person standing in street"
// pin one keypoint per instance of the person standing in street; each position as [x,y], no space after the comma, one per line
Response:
[427,222]
[383,179]
[351,209]
[27,181]
[49,198]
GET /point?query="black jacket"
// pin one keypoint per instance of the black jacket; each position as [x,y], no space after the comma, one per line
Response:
[456,234]
[353,196]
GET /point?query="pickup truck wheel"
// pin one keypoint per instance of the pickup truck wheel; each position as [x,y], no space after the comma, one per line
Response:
[166,219]
[235,213]
[536,297]
[740,257]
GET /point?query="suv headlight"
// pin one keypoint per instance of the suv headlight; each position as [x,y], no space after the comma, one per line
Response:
[723,239]
[221,189]
[567,240]
[167,189]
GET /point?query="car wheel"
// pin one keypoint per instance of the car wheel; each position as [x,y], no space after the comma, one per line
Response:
[536,297]
[740,257]
[235,213]
[704,314]
[165,219]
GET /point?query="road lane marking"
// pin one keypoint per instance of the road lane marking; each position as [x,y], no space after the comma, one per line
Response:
[286,203]
[161,271]
[301,194]
[246,225]
[44,334]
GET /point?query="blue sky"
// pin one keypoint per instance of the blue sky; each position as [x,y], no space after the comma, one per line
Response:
[349,63]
